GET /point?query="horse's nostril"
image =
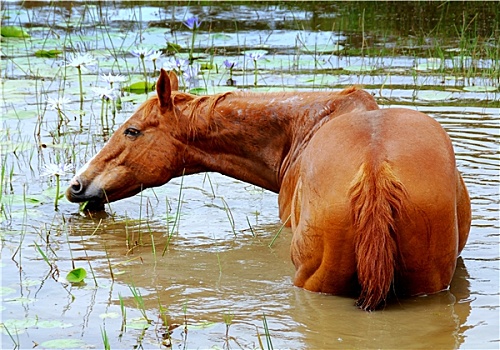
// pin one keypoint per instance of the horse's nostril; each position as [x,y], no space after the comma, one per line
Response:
[76,185]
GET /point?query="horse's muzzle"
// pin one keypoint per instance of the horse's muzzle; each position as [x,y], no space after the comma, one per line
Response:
[79,192]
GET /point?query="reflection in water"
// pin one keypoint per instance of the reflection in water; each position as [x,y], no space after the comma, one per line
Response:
[204,281]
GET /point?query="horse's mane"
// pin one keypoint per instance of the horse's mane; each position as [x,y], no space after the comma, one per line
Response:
[192,103]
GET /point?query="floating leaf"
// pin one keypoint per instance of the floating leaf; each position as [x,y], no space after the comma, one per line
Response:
[13,326]
[431,64]
[323,48]
[6,290]
[48,53]
[14,32]
[478,88]
[76,275]
[321,79]
[140,87]
[138,323]
[53,324]
[109,315]
[202,325]
[172,47]
[360,68]
[210,90]
[63,344]
[430,95]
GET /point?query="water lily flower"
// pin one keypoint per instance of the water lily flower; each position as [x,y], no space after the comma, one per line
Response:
[56,169]
[142,52]
[104,93]
[177,64]
[230,64]
[192,23]
[57,104]
[81,61]
[256,55]
[113,78]
[155,55]
[191,72]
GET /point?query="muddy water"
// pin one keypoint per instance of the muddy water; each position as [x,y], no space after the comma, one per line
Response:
[208,251]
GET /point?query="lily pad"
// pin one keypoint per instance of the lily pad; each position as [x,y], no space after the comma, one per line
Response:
[14,32]
[63,344]
[6,290]
[323,48]
[76,275]
[138,323]
[53,324]
[431,64]
[48,53]
[211,90]
[478,88]
[321,79]
[430,95]
[140,87]
[360,68]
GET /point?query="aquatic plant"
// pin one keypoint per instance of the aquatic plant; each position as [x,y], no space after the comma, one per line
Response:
[155,56]
[255,56]
[193,23]
[58,104]
[190,74]
[111,79]
[56,170]
[81,62]
[143,53]
[230,66]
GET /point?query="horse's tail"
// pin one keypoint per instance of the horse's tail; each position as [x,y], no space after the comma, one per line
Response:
[376,200]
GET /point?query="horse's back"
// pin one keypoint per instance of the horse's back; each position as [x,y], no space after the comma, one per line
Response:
[406,146]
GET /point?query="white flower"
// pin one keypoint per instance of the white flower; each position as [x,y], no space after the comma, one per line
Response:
[81,60]
[256,55]
[113,78]
[155,55]
[57,104]
[56,169]
[141,52]
[105,93]
[177,64]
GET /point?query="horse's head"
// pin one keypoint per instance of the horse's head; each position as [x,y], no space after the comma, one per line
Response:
[144,152]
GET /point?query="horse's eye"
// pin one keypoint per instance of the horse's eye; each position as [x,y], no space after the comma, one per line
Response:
[132,132]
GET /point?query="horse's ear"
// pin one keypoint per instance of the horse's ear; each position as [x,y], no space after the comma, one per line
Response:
[164,89]
[174,81]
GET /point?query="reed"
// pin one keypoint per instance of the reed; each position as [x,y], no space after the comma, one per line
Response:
[105,339]
[136,293]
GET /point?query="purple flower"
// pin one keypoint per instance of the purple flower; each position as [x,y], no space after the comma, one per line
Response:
[192,23]
[191,72]
[230,64]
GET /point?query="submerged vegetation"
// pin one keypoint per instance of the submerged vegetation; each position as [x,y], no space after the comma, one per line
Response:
[71,72]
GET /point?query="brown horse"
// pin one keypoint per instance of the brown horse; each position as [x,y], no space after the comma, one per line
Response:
[373,195]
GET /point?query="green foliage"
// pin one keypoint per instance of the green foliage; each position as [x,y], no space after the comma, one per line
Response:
[140,87]
[13,32]
[76,275]
[48,53]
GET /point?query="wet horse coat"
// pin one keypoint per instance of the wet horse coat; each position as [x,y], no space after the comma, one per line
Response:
[373,195]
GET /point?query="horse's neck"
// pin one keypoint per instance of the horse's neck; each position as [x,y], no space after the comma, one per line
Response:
[244,137]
